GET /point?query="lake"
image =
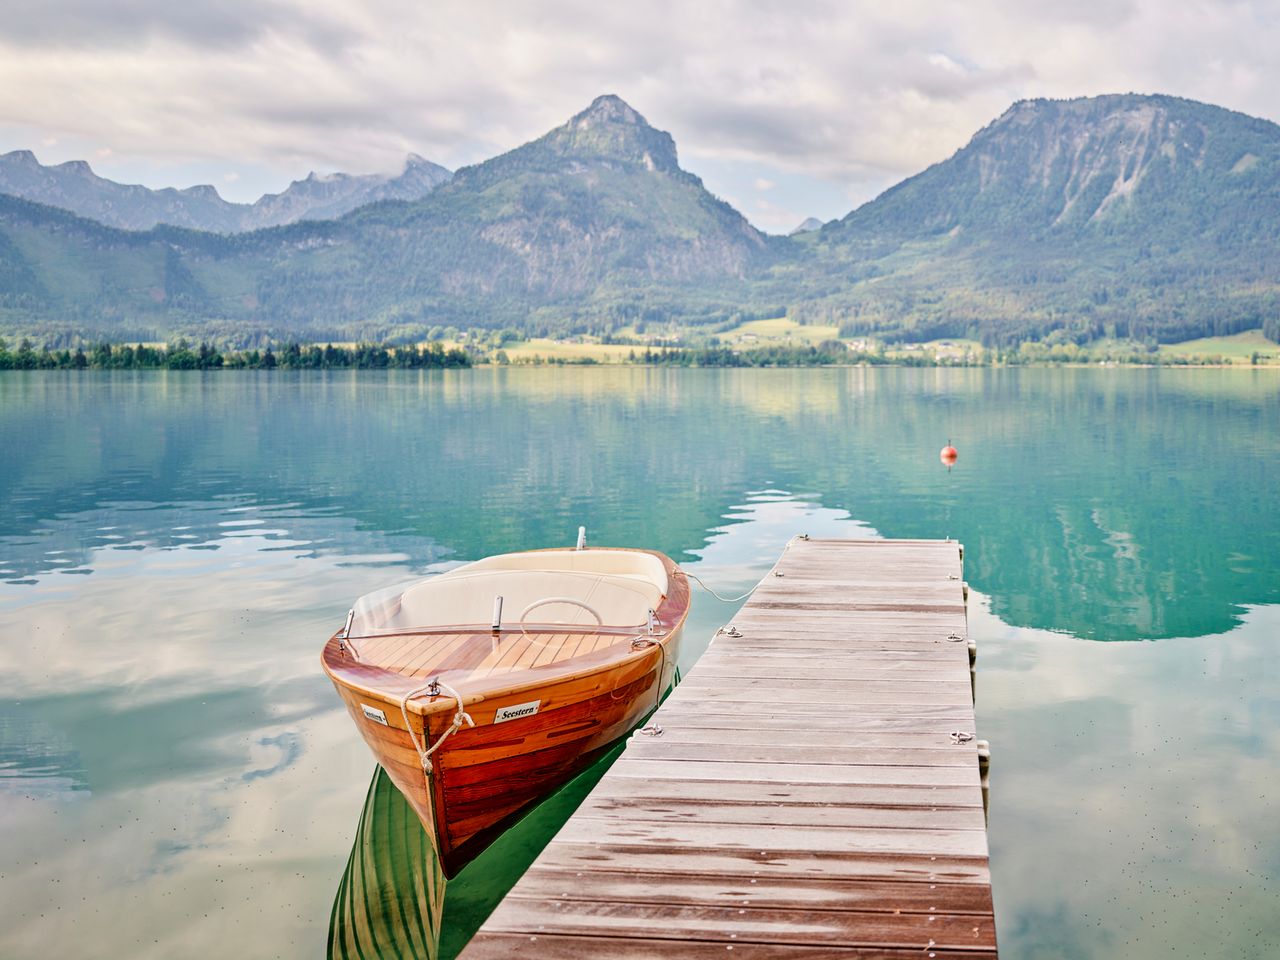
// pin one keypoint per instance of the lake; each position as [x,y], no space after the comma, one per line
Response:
[177,778]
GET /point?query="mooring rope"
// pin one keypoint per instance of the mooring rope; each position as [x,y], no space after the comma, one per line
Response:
[772,570]
[698,581]
[662,671]
[644,642]
[459,718]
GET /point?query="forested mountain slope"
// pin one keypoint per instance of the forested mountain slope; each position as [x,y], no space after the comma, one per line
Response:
[1142,215]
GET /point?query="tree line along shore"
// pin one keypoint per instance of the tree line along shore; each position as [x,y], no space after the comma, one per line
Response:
[183,355]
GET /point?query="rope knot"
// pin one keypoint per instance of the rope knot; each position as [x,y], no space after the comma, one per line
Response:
[460,717]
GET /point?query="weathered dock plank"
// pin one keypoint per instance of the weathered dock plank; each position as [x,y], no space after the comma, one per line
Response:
[805,797]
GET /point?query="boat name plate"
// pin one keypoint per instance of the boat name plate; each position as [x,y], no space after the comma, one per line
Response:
[516,711]
[374,714]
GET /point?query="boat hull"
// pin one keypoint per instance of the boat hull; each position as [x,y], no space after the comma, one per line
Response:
[484,778]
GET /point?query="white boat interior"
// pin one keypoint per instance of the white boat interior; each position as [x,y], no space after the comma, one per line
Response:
[617,588]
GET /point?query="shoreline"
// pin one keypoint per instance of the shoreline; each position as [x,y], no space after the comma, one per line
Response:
[483,365]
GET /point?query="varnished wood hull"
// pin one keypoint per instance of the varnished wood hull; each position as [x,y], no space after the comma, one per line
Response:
[486,777]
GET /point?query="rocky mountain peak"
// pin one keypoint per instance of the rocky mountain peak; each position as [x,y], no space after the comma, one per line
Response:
[1072,167]
[609,108]
[1088,157]
[80,168]
[613,131]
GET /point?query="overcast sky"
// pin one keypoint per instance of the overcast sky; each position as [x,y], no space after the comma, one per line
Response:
[786,109]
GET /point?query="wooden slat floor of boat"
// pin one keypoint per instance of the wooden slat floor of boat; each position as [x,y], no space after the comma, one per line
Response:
[416,656]
[805,797]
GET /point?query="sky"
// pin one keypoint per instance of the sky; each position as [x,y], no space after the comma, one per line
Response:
[785,109]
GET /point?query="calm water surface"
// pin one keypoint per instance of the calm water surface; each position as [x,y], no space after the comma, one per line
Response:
[177,778]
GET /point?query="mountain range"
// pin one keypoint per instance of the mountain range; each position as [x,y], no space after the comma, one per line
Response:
[1150,217]
[73,186]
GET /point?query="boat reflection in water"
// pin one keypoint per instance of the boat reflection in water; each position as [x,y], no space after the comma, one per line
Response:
[391,898]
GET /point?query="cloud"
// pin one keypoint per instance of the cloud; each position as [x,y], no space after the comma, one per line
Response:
[856,94]
[92,24]
[762,184]
[780,218]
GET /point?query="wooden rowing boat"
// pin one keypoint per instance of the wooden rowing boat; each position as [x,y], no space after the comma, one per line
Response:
[483,689]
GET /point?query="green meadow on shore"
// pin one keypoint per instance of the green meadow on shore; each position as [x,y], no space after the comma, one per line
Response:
[1238,348]
[791,343]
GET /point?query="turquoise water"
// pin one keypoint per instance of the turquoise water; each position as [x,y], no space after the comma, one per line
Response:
[176,777]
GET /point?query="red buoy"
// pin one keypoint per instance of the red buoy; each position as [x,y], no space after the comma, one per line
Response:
[949,456]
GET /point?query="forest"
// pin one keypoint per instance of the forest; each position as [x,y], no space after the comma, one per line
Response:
[204,356]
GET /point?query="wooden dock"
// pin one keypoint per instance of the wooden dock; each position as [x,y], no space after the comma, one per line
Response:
[806,796]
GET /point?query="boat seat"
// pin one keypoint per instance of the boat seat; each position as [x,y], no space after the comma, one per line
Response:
[465,596]
[627,563]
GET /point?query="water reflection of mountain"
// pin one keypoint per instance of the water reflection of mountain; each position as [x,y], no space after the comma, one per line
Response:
[67,542]
[1111,504]
[38,761]
[115,733]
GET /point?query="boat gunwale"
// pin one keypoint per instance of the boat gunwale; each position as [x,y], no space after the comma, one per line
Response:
[444,702]
[485,629]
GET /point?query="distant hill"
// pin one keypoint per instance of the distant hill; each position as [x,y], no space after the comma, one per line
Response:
[807,226]
[1138,215]
[73,186]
